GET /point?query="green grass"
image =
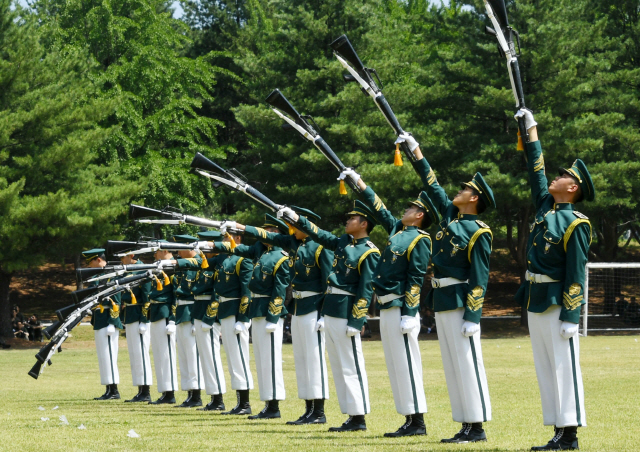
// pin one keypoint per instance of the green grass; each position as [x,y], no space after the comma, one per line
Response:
[609,364]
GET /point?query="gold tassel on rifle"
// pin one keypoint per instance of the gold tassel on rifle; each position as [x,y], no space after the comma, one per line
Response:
[520,143]
[205,263]
[167,281]
[231,241]
[133,297]
[343,189]
[292,230]
[158,283]
[397,159]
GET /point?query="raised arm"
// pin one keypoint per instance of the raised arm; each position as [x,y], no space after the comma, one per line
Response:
[281,240]
[324,238]
[251,252]
[479,253]
[383,215]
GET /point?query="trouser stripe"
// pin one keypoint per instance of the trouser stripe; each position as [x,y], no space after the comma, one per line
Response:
[113,377]
[475,365]
[575,382]
[198,366]
[170,359]
[355,360]
[215,364]
[273,366]
[321,352]
[244,366]
[144,368]
[413,383]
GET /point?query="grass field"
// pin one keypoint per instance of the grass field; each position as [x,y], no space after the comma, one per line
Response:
[610,366]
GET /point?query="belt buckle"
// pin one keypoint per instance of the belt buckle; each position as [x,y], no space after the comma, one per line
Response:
[297,295]
[435,283]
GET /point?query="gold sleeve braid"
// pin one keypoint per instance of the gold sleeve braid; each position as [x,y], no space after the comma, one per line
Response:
[378,204]
[212,309]
[574,298]
[275,307]
[538,165]
[145,309]
[413,296]
[359,309]
[244,304]
[475,299]
[431,177]
[261,232]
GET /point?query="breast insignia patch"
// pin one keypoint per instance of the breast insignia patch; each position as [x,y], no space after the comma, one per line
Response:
[482,225]
[580,215]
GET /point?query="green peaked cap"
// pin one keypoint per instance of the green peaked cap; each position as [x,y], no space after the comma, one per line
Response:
[272,222]
[183,238]
[90,255]
[209,235]
[360,208]
[425,203]
[306,213]
[581,173]
[480,185]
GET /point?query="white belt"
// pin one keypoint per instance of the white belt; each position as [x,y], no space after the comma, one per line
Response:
[184,302]
[384,299]
[223,299]
[336,291]
[259,295]
[444,282]
[537,278]
[304,294]
[202,297]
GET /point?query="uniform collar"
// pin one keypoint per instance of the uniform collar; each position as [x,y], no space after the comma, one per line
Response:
[358,241]
[563,206]
[467,216]
[409,228]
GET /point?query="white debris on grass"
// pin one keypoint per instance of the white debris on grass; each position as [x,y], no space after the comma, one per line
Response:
[44,418]
[133,434]
[81,427]
[55,407]
[41,408]
[63,420]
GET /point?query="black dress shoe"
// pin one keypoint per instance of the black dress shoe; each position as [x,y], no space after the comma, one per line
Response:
[413,426]
[216,404]
[271,410]
[307,412]
[193,400]
[166,398]
[565,439]
[105,395]
[243,407]
[352,424]
[113,393]
[185,404]
[317,415]
[469,433]
[142,395]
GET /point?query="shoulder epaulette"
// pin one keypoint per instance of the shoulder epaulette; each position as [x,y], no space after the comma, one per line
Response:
[423,232]
[580,215]
[284,252]
[370,244]
[482,225]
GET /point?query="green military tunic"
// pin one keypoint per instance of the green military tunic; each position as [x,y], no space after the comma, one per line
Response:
[353,266]
[107,312]
[462,250]
[135,312]
[404,261]
[271,276]
[201,289]
[184,283]
[232,275]
[311,266]
[162,303]
[558,247]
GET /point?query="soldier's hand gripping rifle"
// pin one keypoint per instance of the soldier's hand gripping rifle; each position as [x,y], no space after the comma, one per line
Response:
[348,58]
[74,317]
[280,105]
[497,12]
[111,271]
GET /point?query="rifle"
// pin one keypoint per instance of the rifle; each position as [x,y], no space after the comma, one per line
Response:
[75,317]
[348,58]
[96,274]
[120,248]
[497,12]
[280,104]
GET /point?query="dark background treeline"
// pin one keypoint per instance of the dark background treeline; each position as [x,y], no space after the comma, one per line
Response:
[105,103]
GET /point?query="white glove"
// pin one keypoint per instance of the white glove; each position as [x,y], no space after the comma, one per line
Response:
[206,327]
[227,224]
[351,331]
[170,328]
[469,328]
[193,330]
[351,174]
[527,114]
[239,327]
[271,327]
[166,263]
[320,324]
[142,328]
[408,324]
[568,329]
[406,137]
[287,213]
[111,330]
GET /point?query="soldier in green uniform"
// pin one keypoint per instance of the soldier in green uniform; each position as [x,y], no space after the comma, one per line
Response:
[228,308]
[269,282]
[136,325]
[106,328]
[461,272]
[397,283]
[345,306]
[311,267]
[161,313]
[553,292]
[185,286]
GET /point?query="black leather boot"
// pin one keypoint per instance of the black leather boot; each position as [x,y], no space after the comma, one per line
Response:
[105,396]
[413,426]
[195,399]
[142,395]
[317,414]
[243,407]
[458,435]
[308,410]
[352,424]
[113,393]
[216,404]
[168,397]
[271,410]
[566,438]
[185,404]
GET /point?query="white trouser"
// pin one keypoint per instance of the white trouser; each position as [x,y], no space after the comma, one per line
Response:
[557,363]
[209,350]
[107,350]
[404,363]
[463,369]
[164,356]
[347,367]
[138,345]
[267,348]
[188,358]
[308,355]
[236,347]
